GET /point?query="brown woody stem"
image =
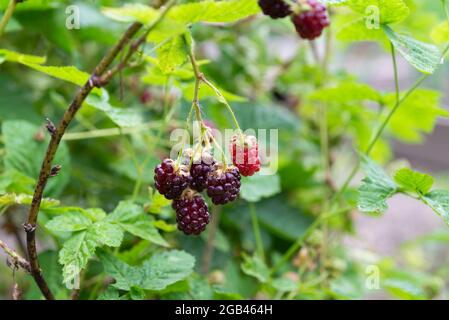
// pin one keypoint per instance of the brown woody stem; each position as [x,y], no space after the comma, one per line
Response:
[45,173]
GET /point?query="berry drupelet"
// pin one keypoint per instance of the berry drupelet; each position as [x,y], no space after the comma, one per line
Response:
[199,171]
[276,9]
[245,154]
[309,23]
[171,180]
[223,186]
[192,214]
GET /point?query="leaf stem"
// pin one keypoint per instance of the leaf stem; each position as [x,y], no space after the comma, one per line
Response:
[8,14]
[395,71]
[256,231]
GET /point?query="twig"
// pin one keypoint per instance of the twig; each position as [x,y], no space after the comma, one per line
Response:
[8,14]
[98,78]
[30,226]
[17,260]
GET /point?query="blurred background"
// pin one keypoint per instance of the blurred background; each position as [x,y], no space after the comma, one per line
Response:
[268,75]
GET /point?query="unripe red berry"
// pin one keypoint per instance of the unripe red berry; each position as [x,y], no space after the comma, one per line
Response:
[245,154]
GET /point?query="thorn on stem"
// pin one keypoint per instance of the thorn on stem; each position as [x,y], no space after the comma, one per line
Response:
[50,127]
[95,81]
[55,170]
[28,227]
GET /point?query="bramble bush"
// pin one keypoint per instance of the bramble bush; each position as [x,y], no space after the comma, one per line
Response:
[214,149]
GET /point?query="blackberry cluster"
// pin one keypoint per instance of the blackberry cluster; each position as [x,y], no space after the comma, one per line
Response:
[276,9]
[308,16]
[176,181]
[224,186]
[169,180]
[245,154]
[310,23]
[192,214]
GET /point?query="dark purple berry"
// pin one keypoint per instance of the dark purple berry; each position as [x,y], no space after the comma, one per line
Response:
[310,23]
[169,180]
[192,213]
[199,171]
[275,8]
[224,186]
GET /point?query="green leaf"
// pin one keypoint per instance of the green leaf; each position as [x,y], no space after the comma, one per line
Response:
[9,199]
[423,56]
[156,273]
[346,92]
[390,11]
[75,254]
[440,34]
[357,30]
[121,117]
[438,200]
[172,54]
[81,246]
[255,267]
[67,73]
[132,218]
[125,275]
[158,202]
[413,181]
[25,152]
[376,188]
[69,222]
[13,181]
[166,268]
[260,186]
[284,285]
[214,11]
[289,225]
[110,293]
[7,55]
[416,116]
[205,11]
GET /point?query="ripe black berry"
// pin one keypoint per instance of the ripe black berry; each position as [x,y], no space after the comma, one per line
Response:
[200,170]
[275,8]
[310,23]
[192,214]
[169,180]
[223,186]
[199,173]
